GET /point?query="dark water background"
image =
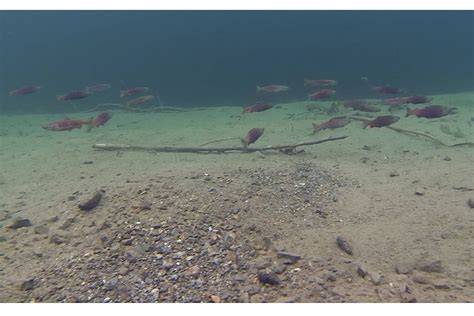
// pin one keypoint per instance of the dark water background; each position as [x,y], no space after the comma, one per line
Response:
[196,58]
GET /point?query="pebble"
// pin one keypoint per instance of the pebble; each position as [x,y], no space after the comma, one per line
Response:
[41,229]
[290,256]
[375,277]
[215,299]
[279,268]
[344,245]
[420,278]
[362,270]
[192,271]
[404,267]
[19,223]
[28,284]
[394,174]
[88,162]
[430,265]
[419,192]
[91,202]
[470,203]
[447,158]
[111,284]
[57,239]
[263,262]
[287,299]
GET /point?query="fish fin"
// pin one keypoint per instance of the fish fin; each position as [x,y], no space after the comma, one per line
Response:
[366,123]
[122,93]
[315,129]
[259,88]
[410,112]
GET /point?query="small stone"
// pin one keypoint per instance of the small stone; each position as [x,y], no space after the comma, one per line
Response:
[123,271]
[287,299]
[419,192]
[251,289]
[344,245]
[268,278]
[37,252]
[290,256]
[192,271]
[430,265]
[215,299]
[57,239]
[375,277]
[447,158]
[404,267]
[279,268]
[3,239]
[19,223]
[28,284]
[71,198]
[91,202]
[88,162]
[245,297]
[362,270]
[66,223]
[127,242]
[41,229]
[111,284]
[441,285]
[257,298]
[263,262]
[470,203]
[420,278]
[394,174]
[53,219]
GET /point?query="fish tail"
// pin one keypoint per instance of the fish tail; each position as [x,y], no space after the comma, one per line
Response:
[122,93]
[410,112]
[60,97]
[259,88]
[306,82]
[366,123]
[316,128]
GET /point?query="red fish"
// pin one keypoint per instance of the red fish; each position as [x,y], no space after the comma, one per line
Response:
[101,119]
[133,91]
[252,136]
[66,124]
[320,82]
[258,107]
[321,94]
[395,101]
[100,87]
[335,122]
[381,121]
[273,88]
[417,99]
[25,90]
[360,105]
[73,95]
[432,111]
[140,100]
[387,89]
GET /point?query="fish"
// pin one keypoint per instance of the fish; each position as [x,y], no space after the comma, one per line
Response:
[335,122]
[99,87]
[417,99]
[387,89]
[140,100]
[360,105]
[273,88]
[101,119]
[66,124]
[258,107]
[252,136]
[432,111]
[25,90]
[381,121]
[133,91]
[320,82]
[321,94]
[73,95]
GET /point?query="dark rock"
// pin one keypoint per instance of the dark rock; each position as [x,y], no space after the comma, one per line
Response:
[268,278]
[279,268]
[344,245]
[28,284]
[127,242]
[88,162]
[470,203]
[263,262]
[92,202]
[19,223]
[290,256]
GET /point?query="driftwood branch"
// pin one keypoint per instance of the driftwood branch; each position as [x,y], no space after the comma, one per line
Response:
[124,107]
[211,149]
[418,133]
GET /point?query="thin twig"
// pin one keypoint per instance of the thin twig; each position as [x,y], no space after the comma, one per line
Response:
[210,149]
[220,140]
[100,107]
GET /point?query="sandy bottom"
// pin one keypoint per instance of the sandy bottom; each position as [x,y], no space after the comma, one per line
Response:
[399,201]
